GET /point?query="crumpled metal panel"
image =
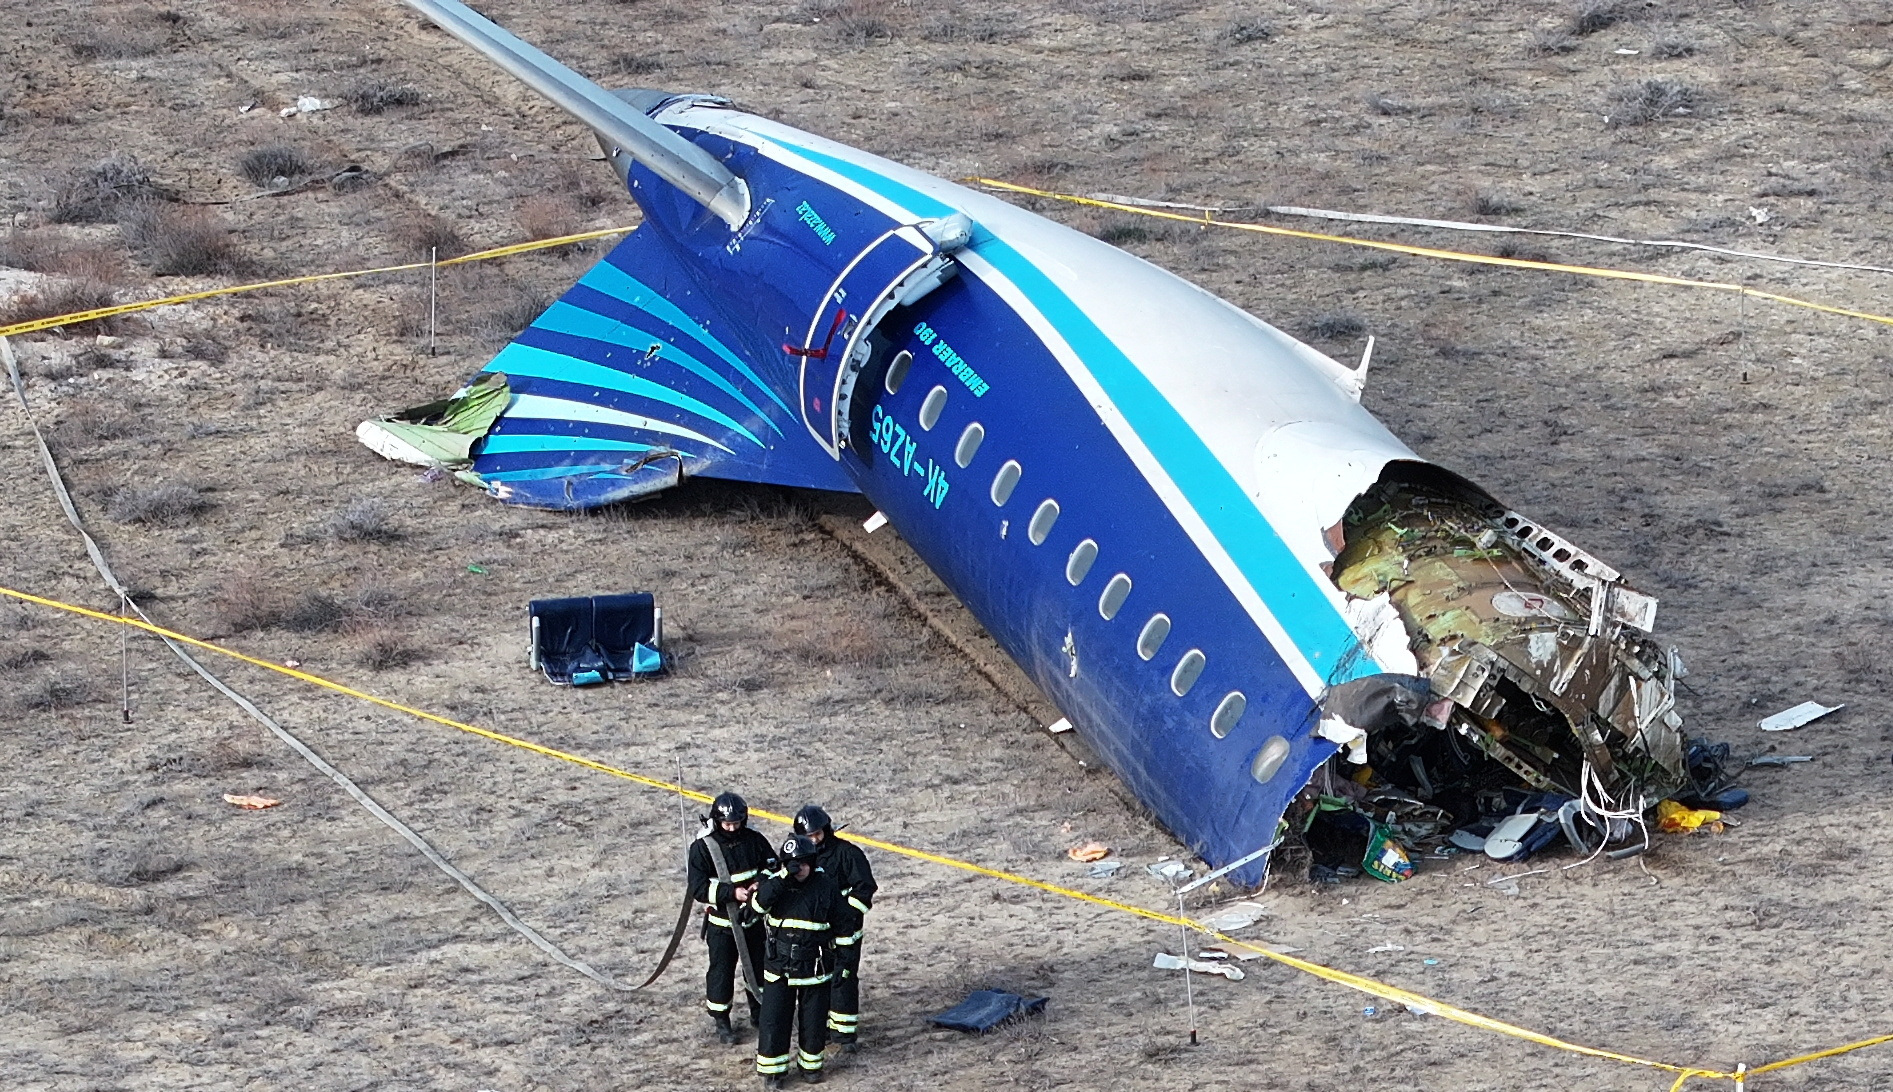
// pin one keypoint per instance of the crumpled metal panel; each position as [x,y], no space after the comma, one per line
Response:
[1485,607]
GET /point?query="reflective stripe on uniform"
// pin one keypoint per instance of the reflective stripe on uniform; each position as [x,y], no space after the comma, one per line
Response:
[842,1022]
[741,876]
[809,1061]
[772,1065]
[856,939]
[771,976]
[797,923]
[714,920]
[714,1007]
[857,904]
[815,981]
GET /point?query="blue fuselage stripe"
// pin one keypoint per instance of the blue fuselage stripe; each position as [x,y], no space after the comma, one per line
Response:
[575,321]
[619,284]
[528,360]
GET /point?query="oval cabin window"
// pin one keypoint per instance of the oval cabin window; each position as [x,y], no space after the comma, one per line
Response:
[1269,759]
[1078,565]
[897,371]
[1006,481]
[932,408]
[1155,632]
[1115,592]
[1042,521]
[1189,669]
[968,446]
[1227,713]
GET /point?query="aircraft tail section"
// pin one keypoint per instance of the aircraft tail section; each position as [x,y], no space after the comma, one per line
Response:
[630,383]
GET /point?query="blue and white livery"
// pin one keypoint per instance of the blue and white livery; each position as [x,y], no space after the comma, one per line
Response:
[1140,490]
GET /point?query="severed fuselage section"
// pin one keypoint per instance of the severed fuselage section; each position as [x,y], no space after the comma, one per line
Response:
[1535,665]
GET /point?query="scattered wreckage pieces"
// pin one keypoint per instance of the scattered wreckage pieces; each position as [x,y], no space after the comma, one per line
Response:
[1805,713]
[1541,654]
[1537,708]
[1167,962]
[250,803]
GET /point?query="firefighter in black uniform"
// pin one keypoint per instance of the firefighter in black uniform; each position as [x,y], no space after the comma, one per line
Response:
[801,904]
[747,855]
[848,867]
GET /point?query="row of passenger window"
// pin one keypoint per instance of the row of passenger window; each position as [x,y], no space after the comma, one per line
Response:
[1151,638]
[1156,630]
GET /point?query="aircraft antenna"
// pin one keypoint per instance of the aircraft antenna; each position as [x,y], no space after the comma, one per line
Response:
[630,130]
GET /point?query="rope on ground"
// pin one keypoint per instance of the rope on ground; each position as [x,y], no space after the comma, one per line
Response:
[1208,219]
[1418,1002]
[76,317]
[310,756]
[1499,229]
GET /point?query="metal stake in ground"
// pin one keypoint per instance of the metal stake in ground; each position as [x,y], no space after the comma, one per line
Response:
[1189,987]
[124,660]
[433,282]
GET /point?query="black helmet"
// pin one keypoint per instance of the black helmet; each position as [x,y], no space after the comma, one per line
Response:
[798,847]
[729,808]
[811,819]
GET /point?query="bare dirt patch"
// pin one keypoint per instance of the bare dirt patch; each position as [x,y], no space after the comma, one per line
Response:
[152,936]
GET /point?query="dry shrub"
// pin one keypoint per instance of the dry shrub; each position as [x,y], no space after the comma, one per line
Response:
[159,505]
[635,64]
[283,323]
[24,658]
[248,600]
[1670,47]
[423,234]
[1246,31]
[96,194]
[378,96]
[130,866]
[960,27]
[91,422]
[178,240]
[383,649]
[315,612]
[367,519]
[1336,326]
[548,216]
[116,43]
[1549,43]
[66,297]
[1490,202]
[265,166]
[53,691]
[1649,100]
[51,252]
[489,304]
[1591,16]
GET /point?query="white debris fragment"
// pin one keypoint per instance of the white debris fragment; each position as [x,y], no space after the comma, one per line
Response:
[1759,215]
[1167,962]
[1240,916]
[309,104]
[874,522]
[1794,718]
[1170,870]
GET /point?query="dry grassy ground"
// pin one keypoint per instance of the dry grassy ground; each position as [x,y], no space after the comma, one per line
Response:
[1731,458]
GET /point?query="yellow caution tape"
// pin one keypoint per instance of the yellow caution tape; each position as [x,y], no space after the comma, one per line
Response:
[50,322]
[1207,219]
[1418,1002]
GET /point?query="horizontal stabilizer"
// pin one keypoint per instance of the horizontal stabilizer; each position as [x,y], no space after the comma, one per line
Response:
[630,383]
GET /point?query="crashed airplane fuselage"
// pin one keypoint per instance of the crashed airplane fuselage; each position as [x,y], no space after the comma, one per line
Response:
[1177,519]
